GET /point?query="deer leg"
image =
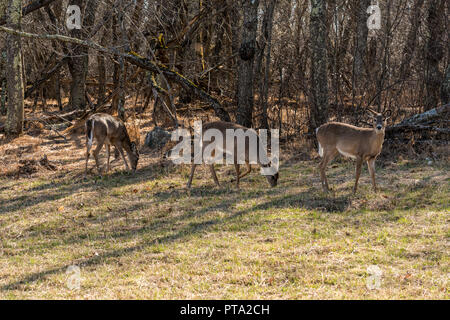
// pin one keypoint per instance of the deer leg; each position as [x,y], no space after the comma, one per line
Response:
[249,169]
[371,166]
[191,176]
[358,172]
[88,152]
[108,153]
[327,157]
[96,152]
[116,155]
[119,147]
[213,173]
[237,167]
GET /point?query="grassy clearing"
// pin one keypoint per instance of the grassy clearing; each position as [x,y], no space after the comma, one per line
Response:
[146,236]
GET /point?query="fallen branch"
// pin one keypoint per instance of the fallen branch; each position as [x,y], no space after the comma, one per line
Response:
[45,77]
[428,120]
[433,122]
[432,114]
[67,116]
[417,127]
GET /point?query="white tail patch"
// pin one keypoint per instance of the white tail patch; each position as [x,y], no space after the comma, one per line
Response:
[91,135]
[320,146]
[320,150]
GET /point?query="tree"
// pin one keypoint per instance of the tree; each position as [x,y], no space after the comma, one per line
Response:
[266,41]
[14,74]
[361,38]
[434,52]
[78,62]
[2,66]
[247,52]
[319,63]
[410,45]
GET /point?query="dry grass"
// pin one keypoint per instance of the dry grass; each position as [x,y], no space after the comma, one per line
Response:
[145,236]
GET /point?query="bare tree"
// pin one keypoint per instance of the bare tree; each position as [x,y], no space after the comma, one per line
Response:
[360,38]
[14,71]
[247,52]
[265,47]
[79,59]
[319,64]
[434,52]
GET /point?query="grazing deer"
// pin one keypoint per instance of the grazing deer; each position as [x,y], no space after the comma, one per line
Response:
[362,144]
[222,126]
[108,130]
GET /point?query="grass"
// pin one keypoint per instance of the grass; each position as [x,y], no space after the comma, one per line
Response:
[146,236]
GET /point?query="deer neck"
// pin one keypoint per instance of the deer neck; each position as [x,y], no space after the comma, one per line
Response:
[377,140]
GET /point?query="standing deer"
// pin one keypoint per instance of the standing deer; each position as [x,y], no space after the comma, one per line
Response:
[109,130]
[222,126]
[362,144]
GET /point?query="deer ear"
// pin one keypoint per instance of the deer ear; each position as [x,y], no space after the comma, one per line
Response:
[387,114]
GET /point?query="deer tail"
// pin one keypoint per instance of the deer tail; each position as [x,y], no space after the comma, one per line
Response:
[90,132]
[320,146]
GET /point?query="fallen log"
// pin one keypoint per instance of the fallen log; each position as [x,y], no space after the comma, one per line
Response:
[417,127]
[434,120]
[433,114]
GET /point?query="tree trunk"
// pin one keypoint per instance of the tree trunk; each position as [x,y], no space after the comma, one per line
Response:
[78,62]
[434,52]
[77,69]
[14,72]
[2,66]
[266,31]
[319,63]
[445,88]
[361,38]
[102,70]
[245,66]
[410,44]
[124,47]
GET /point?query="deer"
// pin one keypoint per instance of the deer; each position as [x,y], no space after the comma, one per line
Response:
[106,129]
[222,126]
[362,144]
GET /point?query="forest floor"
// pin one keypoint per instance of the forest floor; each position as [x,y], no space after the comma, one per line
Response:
[144,235]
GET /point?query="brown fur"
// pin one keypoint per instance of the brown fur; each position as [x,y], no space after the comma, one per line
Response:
[222,126]
[363,144]
[106,129]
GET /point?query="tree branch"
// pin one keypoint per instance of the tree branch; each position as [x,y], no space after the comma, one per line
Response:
[135,59]
[30,8]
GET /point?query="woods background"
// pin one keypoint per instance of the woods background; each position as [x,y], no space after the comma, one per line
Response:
[291,65]
[288,64]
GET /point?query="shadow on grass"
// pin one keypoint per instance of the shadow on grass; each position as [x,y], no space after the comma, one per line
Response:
[186,227]
[181,227]
[69,186]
